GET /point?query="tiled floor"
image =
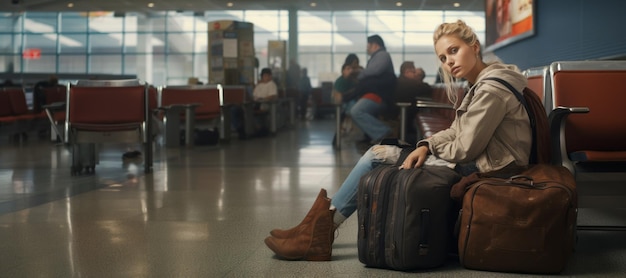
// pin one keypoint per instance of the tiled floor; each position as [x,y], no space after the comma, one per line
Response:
[204,212]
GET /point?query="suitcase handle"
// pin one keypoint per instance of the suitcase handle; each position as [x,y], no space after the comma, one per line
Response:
[528,180]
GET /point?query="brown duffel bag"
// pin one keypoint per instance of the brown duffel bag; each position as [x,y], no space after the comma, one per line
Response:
[526,223]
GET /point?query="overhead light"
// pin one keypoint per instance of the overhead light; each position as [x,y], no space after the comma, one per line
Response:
[150,5]
[70,5]
[229,4]
[313,4]
[457,4]
[398,4]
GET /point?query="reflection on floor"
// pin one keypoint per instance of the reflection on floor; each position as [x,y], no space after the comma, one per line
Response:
[204,212]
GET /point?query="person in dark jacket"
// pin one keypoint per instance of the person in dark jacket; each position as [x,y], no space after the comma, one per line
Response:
[409,87]
[375,87]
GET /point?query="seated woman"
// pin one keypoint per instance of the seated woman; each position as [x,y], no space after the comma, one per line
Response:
[491,132]
[342,89]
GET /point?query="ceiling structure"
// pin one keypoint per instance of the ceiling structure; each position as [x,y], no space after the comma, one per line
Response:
[205,5]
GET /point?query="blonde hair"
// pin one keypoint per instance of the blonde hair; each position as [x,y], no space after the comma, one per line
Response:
[466,34]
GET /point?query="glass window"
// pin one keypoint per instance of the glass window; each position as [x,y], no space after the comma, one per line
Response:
[223,15]
[180,42]
[261,39]
[319,66]
[201,24]
[200,66]
[350,42]
[7,42]
[393,41]
[105,43]
[109,64]
[179,66]
[415,41]
[385,21]
[156,22]
[45,63]
[131,22]
[314,22]
[171,46]
[107,23]
[74,43]
[73,63]
[8,22]
[47,43]
[201,42]
[426,21]
[177,22]
[73,23]
[40,22]
[315,42]
[268,21]
[350,21]
[130,63]
[157,42]
[158,70]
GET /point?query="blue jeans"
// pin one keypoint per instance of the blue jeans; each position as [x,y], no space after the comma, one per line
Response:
[365,113]
[345,199]
[347,106]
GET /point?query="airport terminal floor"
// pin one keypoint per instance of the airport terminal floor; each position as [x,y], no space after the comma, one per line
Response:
[203,212]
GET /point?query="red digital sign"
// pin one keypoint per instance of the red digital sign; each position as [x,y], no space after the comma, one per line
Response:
[32,53]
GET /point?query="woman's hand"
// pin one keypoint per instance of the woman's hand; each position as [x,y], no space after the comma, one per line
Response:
[416,158]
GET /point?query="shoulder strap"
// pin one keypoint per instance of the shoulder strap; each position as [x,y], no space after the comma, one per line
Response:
[531,116]
[519,97]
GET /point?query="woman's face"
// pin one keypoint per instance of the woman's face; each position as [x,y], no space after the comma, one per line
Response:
[347,71]
[457,57]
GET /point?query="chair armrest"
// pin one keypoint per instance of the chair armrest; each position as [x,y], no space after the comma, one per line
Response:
[54,106]
[403,104]
[423,99]
[178,106]
[557,120]
[186,105]
[276,100]
[433,104]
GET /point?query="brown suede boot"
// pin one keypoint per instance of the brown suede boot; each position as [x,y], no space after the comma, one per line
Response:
[317,205]
[310,241]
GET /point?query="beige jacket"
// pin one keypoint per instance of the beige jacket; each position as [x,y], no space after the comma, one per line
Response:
[491,127]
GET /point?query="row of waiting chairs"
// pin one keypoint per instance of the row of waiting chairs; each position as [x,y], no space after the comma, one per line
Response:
[93,112]
[15,116]
[584,99]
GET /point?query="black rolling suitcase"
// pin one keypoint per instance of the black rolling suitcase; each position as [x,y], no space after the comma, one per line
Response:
[405,217]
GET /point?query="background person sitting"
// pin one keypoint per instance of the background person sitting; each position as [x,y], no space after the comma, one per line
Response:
[375,87]
[409,86]
[343,87]
[264,91]
[39,96]
[304,88]
[354,62]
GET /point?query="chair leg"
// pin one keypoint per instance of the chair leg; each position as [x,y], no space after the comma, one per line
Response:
[148,156]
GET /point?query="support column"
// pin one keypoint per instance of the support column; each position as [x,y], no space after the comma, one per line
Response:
[293,35]
[144,48]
